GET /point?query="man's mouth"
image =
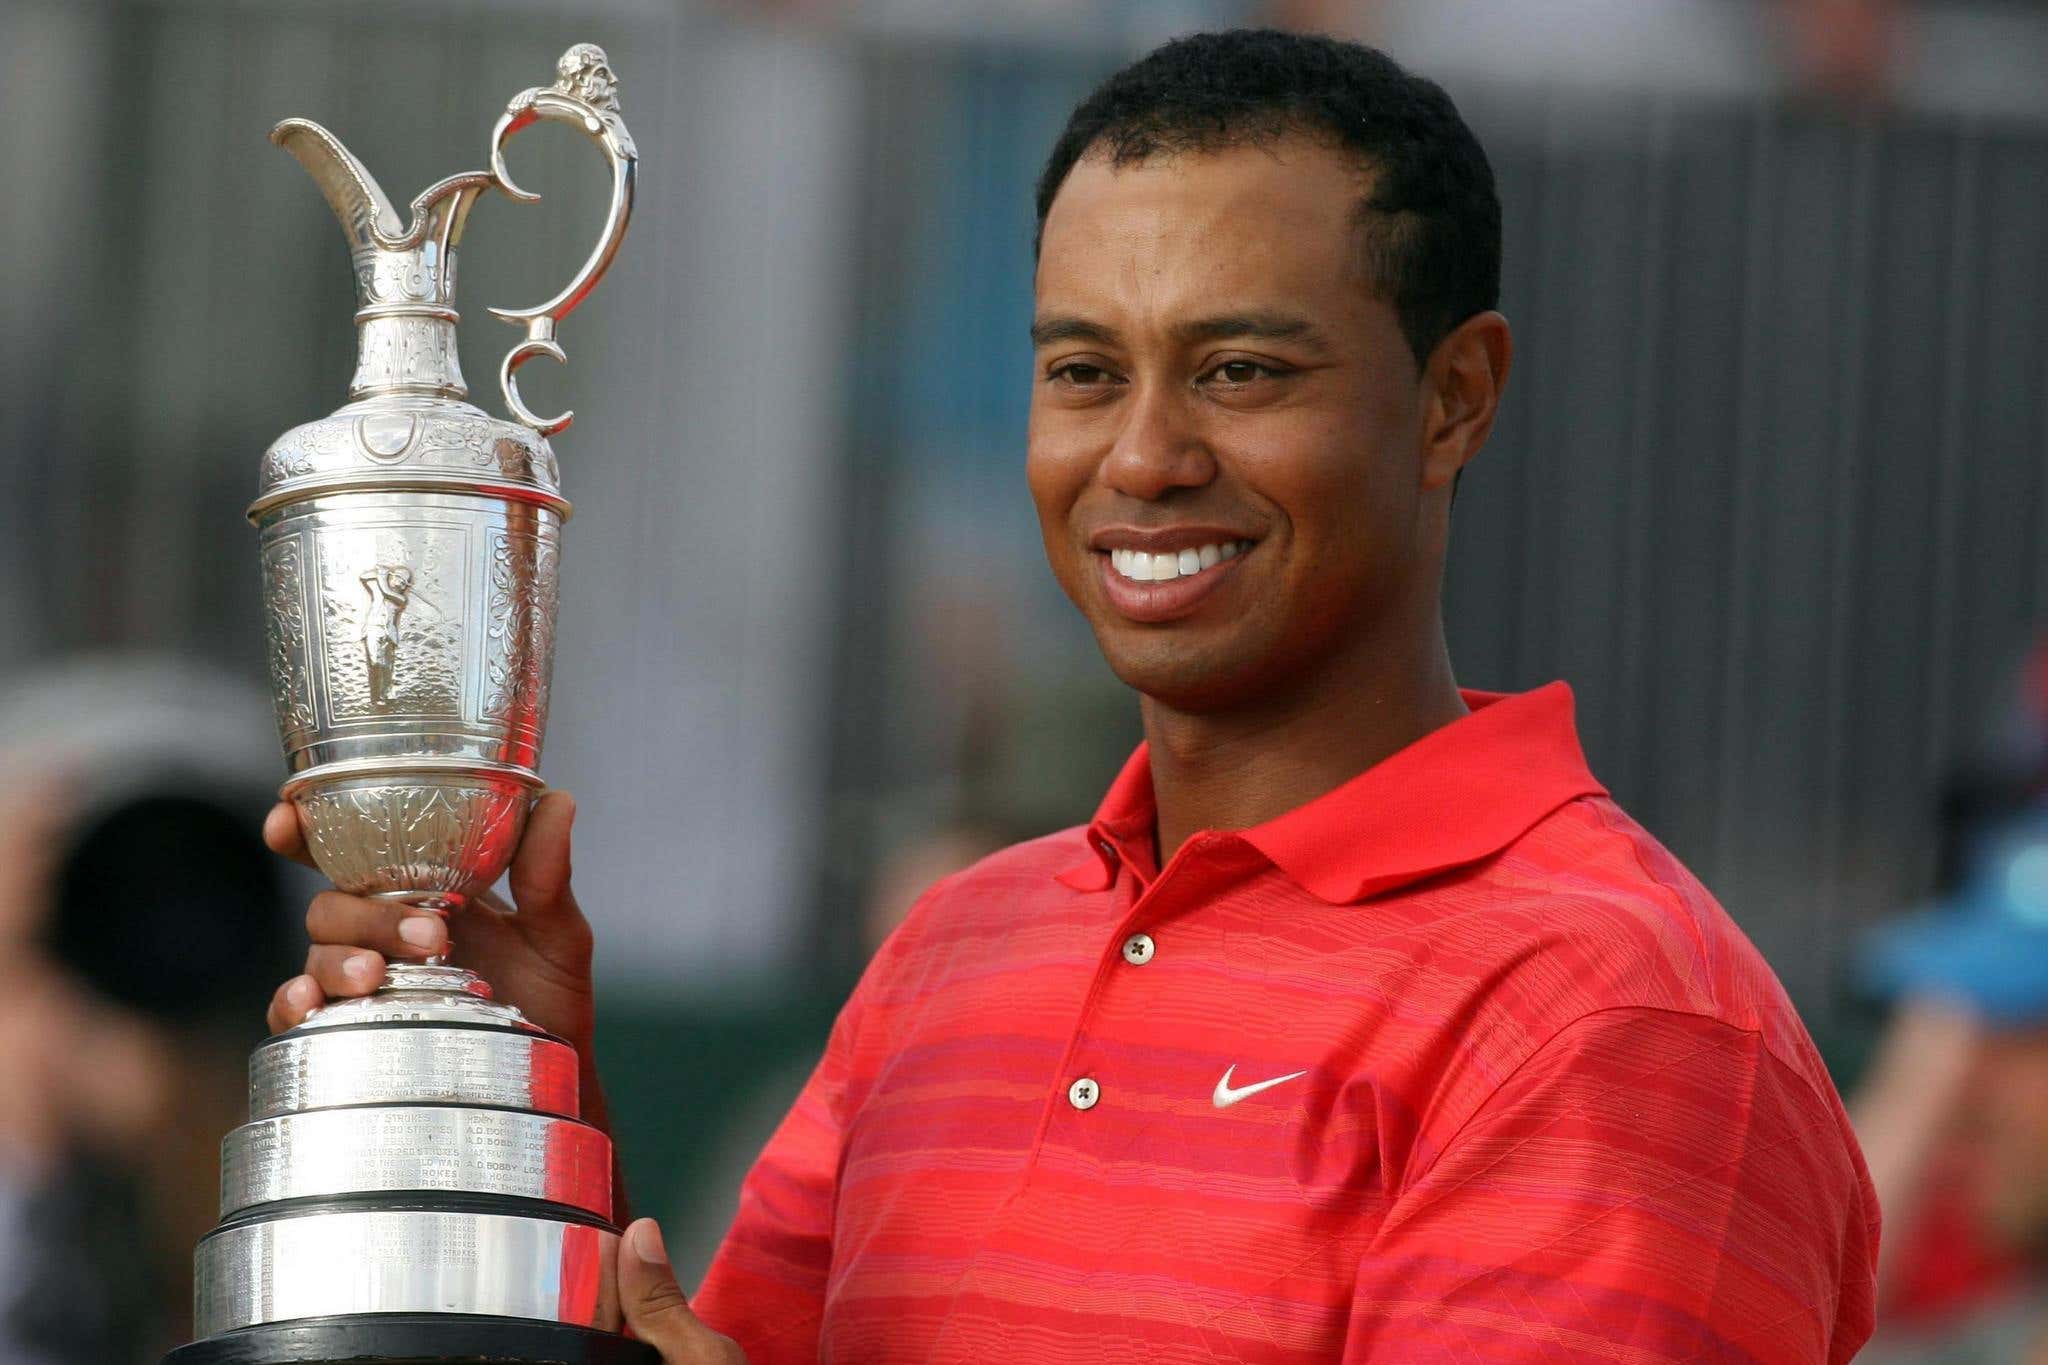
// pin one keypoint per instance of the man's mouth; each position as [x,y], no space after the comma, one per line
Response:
[1166,584]
[1140,566]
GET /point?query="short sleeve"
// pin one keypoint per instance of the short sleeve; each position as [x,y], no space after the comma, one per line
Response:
[1649,1186]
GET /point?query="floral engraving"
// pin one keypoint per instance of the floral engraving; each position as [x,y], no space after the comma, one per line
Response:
[451,837]
[438,436]
[449,442]
[303,450]
[520,658]
[284,626]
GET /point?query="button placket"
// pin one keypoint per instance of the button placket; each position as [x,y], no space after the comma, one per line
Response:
[1162,898]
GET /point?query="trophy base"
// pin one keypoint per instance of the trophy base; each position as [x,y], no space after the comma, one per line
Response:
[415,1339]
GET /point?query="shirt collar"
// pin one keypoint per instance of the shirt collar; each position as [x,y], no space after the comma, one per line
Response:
[1459,794]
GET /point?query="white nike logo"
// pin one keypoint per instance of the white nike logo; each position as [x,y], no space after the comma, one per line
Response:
[1225,1096]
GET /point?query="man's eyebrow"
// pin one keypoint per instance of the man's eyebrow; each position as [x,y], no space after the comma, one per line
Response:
[1059,327]
[1250,326]
[1254,326]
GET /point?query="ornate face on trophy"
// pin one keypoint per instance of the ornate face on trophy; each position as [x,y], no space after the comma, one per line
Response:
[414,1183]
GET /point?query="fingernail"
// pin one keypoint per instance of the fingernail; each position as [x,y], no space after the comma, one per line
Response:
[362,967]
[647,1242]
[301,992]
[421,931]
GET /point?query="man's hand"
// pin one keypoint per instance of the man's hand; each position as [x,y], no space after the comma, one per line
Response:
[536,957]
[656,1309]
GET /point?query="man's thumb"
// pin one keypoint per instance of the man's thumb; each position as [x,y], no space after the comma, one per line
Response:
[656,1308]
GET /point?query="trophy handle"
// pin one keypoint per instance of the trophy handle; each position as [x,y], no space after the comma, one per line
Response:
[585,96]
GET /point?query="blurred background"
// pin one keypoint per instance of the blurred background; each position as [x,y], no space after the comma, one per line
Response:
[1771,492]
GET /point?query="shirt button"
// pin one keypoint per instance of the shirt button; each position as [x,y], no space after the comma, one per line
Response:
[1138,949]
[1083,1094]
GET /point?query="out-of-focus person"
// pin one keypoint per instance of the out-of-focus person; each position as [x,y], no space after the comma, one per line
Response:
[1953,1113]
[1847,50]
[127,845]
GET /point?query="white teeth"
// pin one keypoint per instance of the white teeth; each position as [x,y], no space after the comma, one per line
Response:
[1142,567]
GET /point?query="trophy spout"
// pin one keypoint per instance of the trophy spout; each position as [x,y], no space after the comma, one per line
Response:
[360,204]
[405,275]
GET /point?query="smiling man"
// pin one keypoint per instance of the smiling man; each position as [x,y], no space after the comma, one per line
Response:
[1359,1024]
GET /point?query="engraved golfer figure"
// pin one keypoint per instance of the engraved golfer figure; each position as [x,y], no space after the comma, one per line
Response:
[390,589]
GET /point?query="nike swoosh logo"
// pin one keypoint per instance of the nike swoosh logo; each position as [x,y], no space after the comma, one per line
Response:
[1225,1096]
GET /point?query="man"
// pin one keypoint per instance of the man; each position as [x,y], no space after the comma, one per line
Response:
[1954,1106]
[1359,1024]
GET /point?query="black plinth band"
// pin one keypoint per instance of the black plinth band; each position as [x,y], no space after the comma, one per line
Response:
[415,1339]
[410,1201]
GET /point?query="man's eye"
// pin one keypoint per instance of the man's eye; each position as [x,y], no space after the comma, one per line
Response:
[1081,374]
[1240,372]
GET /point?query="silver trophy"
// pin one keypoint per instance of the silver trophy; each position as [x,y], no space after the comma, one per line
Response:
[414,1182]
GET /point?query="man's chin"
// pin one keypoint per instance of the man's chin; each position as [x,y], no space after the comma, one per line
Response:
[1180,677]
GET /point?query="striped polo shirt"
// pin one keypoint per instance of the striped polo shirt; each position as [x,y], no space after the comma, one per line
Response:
[1453,1063]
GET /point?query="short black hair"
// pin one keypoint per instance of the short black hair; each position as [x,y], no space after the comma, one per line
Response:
[1432,219]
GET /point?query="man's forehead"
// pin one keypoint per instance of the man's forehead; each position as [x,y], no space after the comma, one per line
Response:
[1292,176]
[1245,230]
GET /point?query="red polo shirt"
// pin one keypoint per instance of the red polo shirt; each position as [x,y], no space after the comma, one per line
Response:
[1454,1063]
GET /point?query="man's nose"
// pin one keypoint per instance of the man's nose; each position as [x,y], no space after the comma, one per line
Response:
[1160,447]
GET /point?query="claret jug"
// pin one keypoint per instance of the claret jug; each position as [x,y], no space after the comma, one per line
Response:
[415,1182]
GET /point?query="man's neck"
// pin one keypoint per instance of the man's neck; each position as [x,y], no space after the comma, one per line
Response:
[1238,768]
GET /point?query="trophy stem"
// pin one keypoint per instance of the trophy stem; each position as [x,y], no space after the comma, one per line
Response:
[434,981]
[439,903]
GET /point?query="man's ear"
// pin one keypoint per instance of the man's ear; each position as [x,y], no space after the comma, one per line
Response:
[1462,385]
